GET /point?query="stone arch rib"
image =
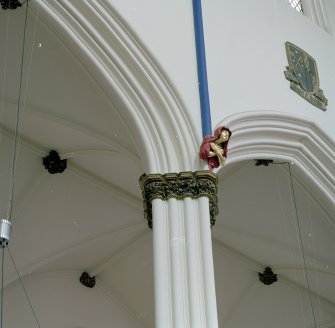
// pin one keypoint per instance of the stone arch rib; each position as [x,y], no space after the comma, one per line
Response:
[146,101]
[284,137]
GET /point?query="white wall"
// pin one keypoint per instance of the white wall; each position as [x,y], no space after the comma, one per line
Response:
[330,9]
[166,30]
[246,57]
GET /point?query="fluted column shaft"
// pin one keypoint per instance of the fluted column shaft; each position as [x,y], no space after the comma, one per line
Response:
[183,260]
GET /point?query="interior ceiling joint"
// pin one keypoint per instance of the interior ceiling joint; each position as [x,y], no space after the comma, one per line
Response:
[53,164]
[267,277]
[10,4]
[86,280]
[263,162]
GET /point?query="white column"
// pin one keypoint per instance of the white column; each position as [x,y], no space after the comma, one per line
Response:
[161,251]
[183,269]
[194,262]
[206,244]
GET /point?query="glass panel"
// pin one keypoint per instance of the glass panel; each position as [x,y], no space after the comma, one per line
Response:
[296,4]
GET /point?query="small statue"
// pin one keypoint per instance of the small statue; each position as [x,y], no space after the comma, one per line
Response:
[214,148]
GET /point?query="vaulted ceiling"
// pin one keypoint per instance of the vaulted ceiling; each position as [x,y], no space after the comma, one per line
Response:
[90,217]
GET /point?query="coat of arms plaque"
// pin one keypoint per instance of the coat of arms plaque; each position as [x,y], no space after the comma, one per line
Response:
[302,72]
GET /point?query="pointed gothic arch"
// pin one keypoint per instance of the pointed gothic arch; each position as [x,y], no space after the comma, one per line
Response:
[147,102]
[285,137]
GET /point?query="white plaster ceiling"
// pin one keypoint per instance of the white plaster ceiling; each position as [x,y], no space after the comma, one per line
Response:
[91,217]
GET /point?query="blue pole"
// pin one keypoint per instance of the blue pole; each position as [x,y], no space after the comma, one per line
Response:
[202,70]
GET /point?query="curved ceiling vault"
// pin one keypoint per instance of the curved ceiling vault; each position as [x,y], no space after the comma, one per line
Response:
[86,216]
[129,77]
[94,112]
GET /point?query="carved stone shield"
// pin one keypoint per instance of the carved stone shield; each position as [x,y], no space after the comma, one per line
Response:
[304,67]
[303,74]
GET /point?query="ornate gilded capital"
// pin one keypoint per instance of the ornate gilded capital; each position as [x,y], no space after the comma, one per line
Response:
[179,185]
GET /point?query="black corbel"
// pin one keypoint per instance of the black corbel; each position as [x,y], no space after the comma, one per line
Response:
[10,4]
[53,163]
[263,162]
[86,280]
[267,277]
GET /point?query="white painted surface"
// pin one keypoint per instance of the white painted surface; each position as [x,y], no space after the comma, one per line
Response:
[196,288]
[115,91]
[162,269]
[184,273]
[330,10]
[246,54]
[207,258]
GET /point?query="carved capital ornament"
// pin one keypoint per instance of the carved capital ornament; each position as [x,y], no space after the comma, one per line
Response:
[179,186]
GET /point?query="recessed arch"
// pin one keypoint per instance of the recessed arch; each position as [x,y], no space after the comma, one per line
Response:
[118,62]
[284,137]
